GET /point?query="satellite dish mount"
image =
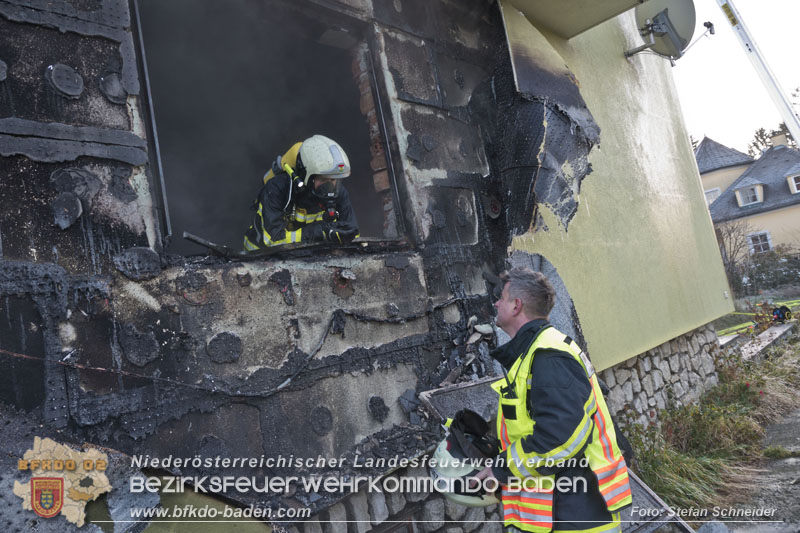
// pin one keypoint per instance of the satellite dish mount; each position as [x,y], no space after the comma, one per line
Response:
[666,26]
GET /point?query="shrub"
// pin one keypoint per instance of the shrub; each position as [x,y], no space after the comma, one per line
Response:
[705,454]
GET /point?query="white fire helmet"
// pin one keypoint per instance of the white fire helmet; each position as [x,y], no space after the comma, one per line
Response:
[323,156]
[452,470]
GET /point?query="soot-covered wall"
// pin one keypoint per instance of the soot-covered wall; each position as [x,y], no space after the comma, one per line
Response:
[317,352]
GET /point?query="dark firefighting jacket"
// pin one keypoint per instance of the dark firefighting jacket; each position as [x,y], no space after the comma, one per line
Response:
[552,423]
[276,222]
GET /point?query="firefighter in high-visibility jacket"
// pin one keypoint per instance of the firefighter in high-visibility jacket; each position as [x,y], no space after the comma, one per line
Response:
[303,199]
[560,467]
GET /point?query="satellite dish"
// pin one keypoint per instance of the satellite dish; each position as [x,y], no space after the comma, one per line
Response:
[666,25]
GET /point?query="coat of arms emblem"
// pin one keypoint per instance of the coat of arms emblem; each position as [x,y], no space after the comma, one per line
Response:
[47,495]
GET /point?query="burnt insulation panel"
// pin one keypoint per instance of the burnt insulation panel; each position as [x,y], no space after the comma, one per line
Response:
[538,153]
[30,52]
[29,213]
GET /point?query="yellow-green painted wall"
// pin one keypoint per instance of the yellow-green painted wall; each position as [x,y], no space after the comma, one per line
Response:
[640,259]
[783,225]
[722,178]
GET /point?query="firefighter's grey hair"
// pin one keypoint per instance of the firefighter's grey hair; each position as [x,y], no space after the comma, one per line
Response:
[533,288]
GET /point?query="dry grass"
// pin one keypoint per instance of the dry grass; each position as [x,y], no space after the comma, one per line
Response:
[779,452]
[709,453]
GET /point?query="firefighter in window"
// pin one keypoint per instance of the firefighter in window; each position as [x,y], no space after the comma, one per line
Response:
[303,199]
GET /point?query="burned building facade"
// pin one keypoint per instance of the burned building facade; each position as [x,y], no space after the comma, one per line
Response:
[482,134]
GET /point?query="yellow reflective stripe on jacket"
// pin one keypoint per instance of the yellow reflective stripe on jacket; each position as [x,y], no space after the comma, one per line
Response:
[523,465]
[301,215]
[290,237]
[578,437]
[518,463]
[249,246]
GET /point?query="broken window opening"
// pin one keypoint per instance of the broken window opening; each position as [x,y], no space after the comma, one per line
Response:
[233,85]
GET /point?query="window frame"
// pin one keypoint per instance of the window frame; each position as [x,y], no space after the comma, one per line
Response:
[385,134]
[794,183]
[746,190]
[716,190]
[760,235]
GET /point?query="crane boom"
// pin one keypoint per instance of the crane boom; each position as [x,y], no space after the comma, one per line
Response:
[762,69]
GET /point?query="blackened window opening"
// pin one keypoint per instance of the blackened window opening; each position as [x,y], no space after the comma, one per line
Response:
[234,84]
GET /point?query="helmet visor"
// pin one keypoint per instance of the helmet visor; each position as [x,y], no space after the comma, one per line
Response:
[326,188]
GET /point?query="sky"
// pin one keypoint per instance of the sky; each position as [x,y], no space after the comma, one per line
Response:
[720,93]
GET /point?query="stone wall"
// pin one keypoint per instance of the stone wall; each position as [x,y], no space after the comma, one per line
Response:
[676,372]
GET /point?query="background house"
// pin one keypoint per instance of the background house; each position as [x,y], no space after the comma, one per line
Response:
[719,166]
[763,194]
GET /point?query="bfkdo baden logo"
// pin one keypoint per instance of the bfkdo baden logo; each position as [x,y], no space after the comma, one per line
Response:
[62,479]
[47,495]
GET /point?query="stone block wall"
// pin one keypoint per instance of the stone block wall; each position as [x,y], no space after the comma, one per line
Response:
[676,372]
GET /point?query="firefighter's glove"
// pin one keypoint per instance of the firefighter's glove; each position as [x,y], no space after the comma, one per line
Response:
[334,232]
[341,233]
[313,232]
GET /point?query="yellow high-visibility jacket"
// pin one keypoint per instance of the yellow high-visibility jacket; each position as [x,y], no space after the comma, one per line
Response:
[528,496]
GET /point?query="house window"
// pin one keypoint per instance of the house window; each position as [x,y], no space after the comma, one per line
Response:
[711,195]
[234,85]
[794,184]
[759,242]
[750,196]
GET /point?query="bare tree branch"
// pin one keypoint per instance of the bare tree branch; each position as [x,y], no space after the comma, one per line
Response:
[735,249]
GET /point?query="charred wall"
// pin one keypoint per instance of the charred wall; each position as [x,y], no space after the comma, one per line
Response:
[107,336]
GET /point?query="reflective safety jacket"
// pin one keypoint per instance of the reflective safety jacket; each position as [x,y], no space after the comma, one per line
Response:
[282,212]
[528,495]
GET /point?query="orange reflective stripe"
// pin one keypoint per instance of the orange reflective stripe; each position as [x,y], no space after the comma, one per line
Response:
[601,421]
[545,512]
[521,520]
[616,485]
[504,432]
[523,490]
[622,473]
[608,475]
[618,497]
[523,499]
[513,511]
[612,466]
